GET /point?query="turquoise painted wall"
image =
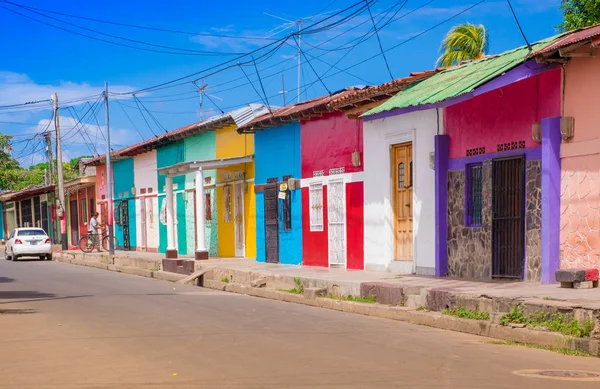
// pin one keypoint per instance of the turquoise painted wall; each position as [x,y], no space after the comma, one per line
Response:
[123,184]
[270,164]
[199,148]
[167,156]
[1,221]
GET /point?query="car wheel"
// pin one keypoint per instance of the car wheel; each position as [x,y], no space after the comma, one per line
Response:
[6,256]
[14,257]
[49,257]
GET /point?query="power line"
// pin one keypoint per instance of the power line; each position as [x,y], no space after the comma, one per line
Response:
[153,118]
[379,41]
[314,71]
[129,118]
[143,116]
[253,87]
[519,25]
[184,51]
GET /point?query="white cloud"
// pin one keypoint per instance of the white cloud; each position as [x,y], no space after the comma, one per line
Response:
[16,88]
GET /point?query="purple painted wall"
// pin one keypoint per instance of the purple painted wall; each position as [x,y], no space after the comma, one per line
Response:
[551,139]
[442,150]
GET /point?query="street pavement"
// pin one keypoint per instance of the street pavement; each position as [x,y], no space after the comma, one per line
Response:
[64,326]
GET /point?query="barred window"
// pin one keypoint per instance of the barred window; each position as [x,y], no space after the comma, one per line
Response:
[316,207]
[287,211]
[227,203]
[474,196]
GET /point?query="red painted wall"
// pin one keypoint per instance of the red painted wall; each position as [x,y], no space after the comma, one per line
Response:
[315,244]
[328,143]
[503,115]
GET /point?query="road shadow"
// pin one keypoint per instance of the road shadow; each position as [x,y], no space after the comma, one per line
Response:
[25,294]
[16,311]
[4,280]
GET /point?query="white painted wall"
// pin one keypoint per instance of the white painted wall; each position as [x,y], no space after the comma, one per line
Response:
[145,176]
[379,136]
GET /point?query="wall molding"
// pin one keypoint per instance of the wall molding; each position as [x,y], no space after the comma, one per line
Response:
[346,177]
[580,149]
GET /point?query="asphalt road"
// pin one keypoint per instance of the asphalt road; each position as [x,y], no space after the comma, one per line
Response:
[64,326]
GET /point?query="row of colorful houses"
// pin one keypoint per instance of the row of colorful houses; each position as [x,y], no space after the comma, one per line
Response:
[486,170]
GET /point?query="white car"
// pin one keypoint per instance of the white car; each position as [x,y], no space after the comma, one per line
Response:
[28,242]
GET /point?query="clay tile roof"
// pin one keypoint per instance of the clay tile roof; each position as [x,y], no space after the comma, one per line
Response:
[304,110]
[378,92]
[570,38]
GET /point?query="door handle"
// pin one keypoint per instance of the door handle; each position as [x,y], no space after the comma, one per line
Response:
[407,205]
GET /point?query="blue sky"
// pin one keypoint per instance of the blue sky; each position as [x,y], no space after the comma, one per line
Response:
[38,59]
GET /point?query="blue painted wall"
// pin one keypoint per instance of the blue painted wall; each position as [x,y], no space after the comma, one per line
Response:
[2,222]
[167,156]
[123,183]
[277,154]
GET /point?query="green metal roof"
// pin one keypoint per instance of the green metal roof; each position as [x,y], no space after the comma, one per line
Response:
[456,81]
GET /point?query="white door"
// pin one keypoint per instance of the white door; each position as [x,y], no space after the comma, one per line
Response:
[336,220]
[238,211]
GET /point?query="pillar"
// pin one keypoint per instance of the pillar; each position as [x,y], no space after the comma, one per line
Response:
[201,251]
[551,139]
[442,152]
[171,249]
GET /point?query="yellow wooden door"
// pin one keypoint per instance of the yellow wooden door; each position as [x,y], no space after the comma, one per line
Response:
[402,184]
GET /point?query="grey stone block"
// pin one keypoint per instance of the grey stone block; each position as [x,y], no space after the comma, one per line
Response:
[570,275]
[384,293]
[313,293]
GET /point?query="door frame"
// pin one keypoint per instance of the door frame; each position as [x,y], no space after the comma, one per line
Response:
[393,190]
[236,186]
[74,226]
[345,223]
[522,224]
[143,224]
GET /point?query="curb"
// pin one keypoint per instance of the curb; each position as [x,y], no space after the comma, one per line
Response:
[432,319]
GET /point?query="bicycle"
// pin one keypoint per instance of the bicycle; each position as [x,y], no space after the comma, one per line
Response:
[87,243]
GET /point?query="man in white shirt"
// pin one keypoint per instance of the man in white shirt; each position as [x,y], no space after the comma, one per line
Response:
[93,229]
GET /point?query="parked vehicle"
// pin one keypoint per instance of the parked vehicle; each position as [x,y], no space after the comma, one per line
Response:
[28,242]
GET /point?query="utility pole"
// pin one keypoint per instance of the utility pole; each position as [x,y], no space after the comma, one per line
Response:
[109,190]
[283,91]
[62,213]
[299,24]
[201,92]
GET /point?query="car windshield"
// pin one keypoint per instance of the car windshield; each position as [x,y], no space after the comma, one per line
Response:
[31,232]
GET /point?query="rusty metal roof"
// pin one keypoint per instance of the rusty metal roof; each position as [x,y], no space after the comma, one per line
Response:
[570,38]
[32,190]
[304,110]
[372,94]
[237,117]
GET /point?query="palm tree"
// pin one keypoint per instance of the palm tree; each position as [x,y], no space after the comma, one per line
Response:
[463,42]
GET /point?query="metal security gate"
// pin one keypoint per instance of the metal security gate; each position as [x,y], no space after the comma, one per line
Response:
[508,214]
[271,224]
[336,222]
[125,221]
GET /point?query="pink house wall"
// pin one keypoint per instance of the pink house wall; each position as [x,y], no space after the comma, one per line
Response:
[101,191]
[580,165]
[504,115]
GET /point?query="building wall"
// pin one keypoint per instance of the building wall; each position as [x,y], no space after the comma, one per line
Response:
[2,232]
[328,143]
[503,116]
[124,182]
[277,155]
[230,144]
[199,148]
[145,179]
[167,156]
[101,189]
[420,128]
[580,167]
[500,121]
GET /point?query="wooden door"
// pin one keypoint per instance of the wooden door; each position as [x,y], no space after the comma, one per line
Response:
[271,224]
[74,223]
[402,183]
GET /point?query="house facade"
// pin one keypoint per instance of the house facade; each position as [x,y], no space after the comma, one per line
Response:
[489,159]
[80,197]
[30,207]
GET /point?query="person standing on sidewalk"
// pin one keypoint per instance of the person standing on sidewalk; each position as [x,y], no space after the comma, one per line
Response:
[93,229]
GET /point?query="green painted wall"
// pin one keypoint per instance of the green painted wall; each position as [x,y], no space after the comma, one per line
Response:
[167,156]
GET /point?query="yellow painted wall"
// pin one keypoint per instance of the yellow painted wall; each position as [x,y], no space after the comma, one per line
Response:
[231,144]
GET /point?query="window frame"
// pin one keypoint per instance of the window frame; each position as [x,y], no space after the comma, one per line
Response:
[287,211]
[315,213]
[471,213]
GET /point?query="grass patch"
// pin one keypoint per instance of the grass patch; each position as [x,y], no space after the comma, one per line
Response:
[154,269]
[421,308]
[299,289]
[225,280]
[560,350]
[106,262]
[356,299]
[565,324]
[465,313]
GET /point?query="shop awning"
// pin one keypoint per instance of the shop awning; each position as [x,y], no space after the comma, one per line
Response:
[190,167]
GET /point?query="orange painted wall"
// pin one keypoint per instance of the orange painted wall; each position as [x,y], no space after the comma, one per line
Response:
[580,165]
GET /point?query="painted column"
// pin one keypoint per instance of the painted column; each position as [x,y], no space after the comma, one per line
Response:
[441,154]
[551,139]
[201,251]
[171,249]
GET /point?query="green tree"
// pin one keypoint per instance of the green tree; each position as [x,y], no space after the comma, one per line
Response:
[9,167]
[463,42]
[579,14]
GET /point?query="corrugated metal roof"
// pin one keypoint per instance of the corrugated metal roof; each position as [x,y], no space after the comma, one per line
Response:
[293,113]
[30,191]
[456,81]
[570,38]
[378,92]
[239,117]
